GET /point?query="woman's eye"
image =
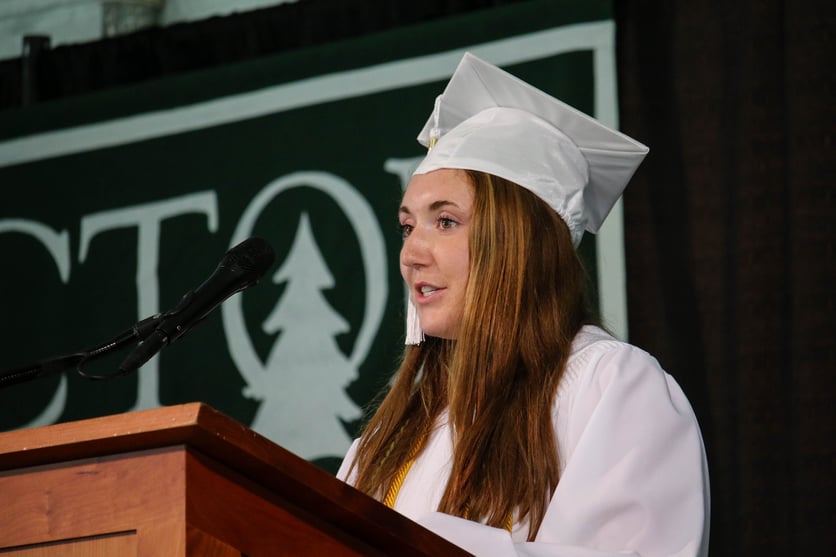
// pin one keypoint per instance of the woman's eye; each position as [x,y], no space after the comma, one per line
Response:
[446,222]
[405,230]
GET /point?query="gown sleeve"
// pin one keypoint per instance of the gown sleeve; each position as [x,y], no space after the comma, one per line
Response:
[634,480]
[342,473]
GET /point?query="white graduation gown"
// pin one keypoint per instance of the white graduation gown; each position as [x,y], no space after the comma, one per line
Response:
[634,478]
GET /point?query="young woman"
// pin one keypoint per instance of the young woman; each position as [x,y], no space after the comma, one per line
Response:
[515,426]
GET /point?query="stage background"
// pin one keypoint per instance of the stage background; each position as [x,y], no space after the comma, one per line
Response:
[117,202]
[729,233]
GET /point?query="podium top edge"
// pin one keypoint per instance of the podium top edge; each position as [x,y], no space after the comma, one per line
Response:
[106,435]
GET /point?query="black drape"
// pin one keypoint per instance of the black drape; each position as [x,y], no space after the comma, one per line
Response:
[158,52]
[731,251]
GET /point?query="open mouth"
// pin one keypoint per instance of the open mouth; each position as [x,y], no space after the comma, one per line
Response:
[426,291]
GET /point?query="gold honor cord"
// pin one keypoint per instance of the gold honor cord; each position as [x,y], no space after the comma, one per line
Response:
[400,476]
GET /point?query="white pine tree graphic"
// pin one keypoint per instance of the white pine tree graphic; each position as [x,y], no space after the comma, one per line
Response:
[306,373]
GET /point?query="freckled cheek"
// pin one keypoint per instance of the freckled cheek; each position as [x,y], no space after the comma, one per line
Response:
[463,269]
[403,266]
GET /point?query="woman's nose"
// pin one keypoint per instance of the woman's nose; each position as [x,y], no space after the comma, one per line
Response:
[415,250]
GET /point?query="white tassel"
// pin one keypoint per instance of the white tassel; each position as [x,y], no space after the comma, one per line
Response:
[414,334]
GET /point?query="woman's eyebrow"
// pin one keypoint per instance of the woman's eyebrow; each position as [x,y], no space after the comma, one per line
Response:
[434,206]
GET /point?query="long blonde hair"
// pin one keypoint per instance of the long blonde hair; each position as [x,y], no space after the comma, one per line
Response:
[525,302]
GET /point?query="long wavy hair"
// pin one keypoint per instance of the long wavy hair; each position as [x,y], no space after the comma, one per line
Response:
[525,302]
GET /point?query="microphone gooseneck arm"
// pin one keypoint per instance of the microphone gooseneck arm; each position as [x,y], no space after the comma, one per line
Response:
[136,333]
[241,267]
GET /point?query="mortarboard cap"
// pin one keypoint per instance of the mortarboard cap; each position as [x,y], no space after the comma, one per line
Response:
[488,120]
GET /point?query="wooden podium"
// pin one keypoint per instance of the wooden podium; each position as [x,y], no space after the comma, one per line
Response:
[184,480]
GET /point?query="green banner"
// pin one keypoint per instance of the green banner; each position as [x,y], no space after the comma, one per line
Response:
[114,205]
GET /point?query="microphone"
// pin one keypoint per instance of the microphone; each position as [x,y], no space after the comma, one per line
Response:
[241,267]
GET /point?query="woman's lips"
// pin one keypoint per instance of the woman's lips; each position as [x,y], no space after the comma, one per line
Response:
[424,292]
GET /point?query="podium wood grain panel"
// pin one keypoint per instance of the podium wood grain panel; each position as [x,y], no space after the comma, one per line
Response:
[139,492]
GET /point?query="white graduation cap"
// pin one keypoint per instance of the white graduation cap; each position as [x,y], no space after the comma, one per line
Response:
[488,120]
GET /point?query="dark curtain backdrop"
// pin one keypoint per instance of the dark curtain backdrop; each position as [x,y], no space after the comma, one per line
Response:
[731,250]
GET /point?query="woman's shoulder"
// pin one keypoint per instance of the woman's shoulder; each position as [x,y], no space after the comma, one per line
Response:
[592,336]
[593,342]
[597,357]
